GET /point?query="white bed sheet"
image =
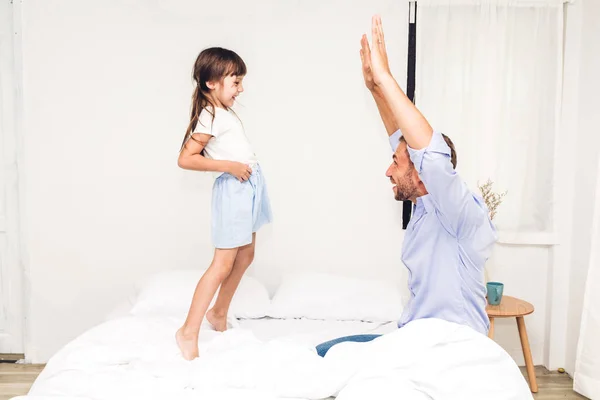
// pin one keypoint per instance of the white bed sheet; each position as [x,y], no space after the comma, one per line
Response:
[137,358]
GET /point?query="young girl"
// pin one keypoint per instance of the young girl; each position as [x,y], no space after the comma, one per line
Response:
[215,141]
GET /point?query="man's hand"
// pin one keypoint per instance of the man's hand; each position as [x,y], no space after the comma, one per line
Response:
[396,109]
[365,58]
[378,60]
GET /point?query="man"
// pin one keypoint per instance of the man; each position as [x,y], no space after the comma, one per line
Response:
[450,235]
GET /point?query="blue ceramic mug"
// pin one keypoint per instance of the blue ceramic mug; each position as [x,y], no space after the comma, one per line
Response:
[494,292]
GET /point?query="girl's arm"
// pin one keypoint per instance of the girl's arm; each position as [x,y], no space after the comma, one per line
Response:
[192,159]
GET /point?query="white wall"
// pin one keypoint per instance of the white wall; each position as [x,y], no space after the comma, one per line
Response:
[523,268]
[550,270]
[577,152]
[585,167]
[11,294]
[106,100]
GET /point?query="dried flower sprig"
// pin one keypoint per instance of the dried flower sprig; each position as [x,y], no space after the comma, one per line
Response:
[492,199]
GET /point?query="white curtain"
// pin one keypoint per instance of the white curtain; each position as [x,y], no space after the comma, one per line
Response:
[587,365]
[488,74]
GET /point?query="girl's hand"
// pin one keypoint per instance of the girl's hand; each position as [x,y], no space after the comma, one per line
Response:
[240,171]
[379,64]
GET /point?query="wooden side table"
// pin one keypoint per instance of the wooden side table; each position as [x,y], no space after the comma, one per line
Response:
[511,307]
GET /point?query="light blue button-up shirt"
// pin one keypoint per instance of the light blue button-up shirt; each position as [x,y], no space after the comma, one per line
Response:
[447,243]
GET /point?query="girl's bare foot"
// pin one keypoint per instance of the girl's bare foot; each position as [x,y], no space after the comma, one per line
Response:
[219,321]
[188,344]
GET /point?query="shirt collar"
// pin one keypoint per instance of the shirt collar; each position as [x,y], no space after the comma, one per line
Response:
[425,202]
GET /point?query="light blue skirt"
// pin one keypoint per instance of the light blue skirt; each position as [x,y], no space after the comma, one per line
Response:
[239,209]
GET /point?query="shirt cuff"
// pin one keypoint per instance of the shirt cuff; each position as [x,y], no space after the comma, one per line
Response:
[436,145]
[395,140]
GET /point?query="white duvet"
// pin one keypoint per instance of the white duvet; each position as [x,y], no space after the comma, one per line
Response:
[137,358]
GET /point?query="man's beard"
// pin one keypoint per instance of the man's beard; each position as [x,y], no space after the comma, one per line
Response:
[405,189]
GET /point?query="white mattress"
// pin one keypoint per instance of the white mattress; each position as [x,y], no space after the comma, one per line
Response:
[312,332]
[309,331]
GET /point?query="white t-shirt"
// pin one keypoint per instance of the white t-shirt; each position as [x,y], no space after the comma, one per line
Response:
[229,141]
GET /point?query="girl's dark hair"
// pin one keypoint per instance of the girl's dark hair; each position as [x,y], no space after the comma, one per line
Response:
[212,64]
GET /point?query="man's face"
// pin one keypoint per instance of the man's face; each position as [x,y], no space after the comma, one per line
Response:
[403,175]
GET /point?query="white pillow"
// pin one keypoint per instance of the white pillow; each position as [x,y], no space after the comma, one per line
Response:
[323,296]
[170,293]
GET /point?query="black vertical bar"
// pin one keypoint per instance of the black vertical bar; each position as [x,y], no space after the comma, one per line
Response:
[410,86]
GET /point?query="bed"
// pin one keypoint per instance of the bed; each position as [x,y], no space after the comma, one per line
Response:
[268,352]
